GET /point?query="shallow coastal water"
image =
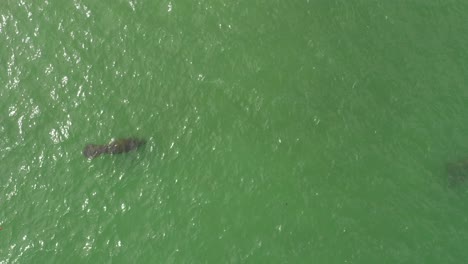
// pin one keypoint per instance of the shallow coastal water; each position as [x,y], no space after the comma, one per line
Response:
[277,131]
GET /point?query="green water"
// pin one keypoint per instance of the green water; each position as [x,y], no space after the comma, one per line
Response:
[278,131]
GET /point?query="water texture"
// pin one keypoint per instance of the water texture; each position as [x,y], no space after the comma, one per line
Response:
[277,131]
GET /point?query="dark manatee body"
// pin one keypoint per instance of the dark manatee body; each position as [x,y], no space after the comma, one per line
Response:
[114,147]
[92,151]
[458,172]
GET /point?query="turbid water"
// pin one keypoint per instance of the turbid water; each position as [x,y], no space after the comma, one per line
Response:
[276,131]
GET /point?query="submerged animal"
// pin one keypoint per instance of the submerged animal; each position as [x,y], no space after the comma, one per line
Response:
[116,146]
[458,171]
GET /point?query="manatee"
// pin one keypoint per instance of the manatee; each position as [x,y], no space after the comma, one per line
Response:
[116,146]
[458,172]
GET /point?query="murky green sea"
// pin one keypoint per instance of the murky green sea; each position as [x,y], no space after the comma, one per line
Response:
[297,131]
